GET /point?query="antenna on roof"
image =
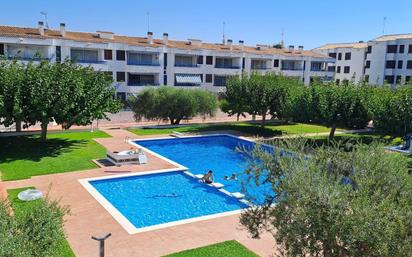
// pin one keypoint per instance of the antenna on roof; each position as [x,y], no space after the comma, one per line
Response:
[148,21]
[383,25]
[44,13]
[224,36]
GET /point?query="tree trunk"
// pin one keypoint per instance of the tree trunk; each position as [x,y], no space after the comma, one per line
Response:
[332,132]
[237,118]
[253,117]
[18,125]
[262,124]
[43,135]
[177,121]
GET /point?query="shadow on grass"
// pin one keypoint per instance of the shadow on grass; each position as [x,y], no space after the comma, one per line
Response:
[31,148]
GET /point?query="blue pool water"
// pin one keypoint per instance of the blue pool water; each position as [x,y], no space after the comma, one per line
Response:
[219,153]
[164,197]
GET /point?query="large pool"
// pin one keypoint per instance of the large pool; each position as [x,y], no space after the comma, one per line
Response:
[152,200]
[223,154]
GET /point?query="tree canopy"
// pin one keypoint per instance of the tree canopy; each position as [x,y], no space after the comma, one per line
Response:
[66,93]
[173,104]
[333,203]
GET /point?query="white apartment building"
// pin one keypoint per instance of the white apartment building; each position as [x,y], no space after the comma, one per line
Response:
[389,59]
[385,59]
[140,62]
[350,58]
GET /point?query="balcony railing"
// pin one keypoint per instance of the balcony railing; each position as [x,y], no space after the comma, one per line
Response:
[188,65]
[292,68]
[260,68]
[318,69]
[27,58]
[222,66]
[142,63]
[89,61]
[142,84]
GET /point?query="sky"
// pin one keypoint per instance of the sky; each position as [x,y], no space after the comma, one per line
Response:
[310,23]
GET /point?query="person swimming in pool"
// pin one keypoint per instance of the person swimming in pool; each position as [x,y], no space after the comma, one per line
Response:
[208,178]
[233,177]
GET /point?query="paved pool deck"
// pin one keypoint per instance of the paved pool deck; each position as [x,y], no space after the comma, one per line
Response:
[89,218]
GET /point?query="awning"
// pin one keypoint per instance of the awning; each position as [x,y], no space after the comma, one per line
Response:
[188,78]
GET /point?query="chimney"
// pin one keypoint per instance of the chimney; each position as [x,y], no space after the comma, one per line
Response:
[150,37]
[291,48]
[300,48]
[165,38]
[62,29]
[229,43]
[241,44]
[41,28]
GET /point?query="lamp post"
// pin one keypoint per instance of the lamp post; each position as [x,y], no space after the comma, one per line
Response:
[101,243]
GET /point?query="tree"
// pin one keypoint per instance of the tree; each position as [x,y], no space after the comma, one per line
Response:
[334,106]
[235,101]
[68,94]
[258,95]
[173,104]
[392,109]
[12,93]
[333,203]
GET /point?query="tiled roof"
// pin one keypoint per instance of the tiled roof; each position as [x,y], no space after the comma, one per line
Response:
[11,31]
[393,37]
[341,45]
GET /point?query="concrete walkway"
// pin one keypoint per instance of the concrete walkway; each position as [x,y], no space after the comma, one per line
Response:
[89,218]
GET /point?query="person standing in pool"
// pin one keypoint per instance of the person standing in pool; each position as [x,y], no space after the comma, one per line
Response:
[208,178]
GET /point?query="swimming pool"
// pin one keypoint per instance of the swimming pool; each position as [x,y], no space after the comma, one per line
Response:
[157,199]
[219,153]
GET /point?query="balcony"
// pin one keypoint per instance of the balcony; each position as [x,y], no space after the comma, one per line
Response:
[27,58]
[292,68]
[187,65]
[223,66]
[142,63]
[89,61]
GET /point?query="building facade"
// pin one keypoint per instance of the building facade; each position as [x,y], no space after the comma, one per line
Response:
[141,62]
[350,58]
[386,59]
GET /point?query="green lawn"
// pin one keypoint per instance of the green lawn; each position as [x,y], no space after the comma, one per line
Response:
[225,249]
[365,138]
[269,130]
[26,156]
[20,207]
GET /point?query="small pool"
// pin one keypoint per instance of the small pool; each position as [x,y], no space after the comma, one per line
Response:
[159,198]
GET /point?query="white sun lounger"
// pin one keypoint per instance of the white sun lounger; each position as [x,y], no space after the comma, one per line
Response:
[238,195]
[126,157]
[176,134]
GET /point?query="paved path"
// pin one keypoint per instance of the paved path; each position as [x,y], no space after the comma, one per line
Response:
[89,218]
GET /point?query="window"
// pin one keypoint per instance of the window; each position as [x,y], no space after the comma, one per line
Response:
[348,56]
[401,49]
[346,69]
[140,79]
[400,64]
[410,49]
[108,54]
[209,78]
[164,79]
[390,64]
[276,63]
[331,68]
[391,49]
[209,60]
[165,60]
[368,64]
[58,53]
[120,76]
[243,62]
[338,69]
[120,55]
[332,55]
[1,49]
[407,79]
[337,81]
[390,79]
[339,56]
[220,81]
[398,79]
[369,50]
[409,65]
[84,55]
[200,59]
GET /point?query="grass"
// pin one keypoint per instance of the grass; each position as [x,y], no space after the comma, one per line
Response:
[224,249]
[20,207]
[26,156]
[364,138]
[269,130]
